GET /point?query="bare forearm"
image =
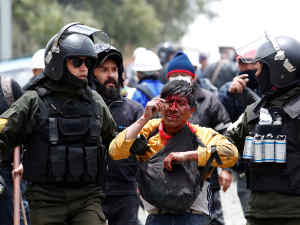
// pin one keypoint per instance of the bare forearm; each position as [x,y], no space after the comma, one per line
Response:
[153,106]
[191,155]
[134,129]
[179,157]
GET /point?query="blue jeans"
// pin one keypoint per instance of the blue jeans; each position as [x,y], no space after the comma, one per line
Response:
[170,219]
[6,199]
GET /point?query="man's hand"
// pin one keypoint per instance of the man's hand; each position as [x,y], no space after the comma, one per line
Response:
[238,84]
[225,179]
[153,106]
[175,157]
[18,171]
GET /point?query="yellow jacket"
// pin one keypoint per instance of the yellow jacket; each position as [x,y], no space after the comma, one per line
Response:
[228,153]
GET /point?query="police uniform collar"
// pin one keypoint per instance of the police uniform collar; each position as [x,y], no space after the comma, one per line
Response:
[289,101]
[34,81]
[292,108]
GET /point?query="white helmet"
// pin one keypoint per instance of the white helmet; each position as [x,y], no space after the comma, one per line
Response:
[146,61]
[137,50]
[38,59]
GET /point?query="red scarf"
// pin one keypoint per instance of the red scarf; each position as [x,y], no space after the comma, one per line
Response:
[165,137]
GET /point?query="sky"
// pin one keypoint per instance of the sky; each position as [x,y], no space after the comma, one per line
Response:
[240,22]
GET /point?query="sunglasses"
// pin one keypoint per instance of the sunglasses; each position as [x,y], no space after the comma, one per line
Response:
[77,62]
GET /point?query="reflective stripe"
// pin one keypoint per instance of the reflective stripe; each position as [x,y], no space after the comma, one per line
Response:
[3,122]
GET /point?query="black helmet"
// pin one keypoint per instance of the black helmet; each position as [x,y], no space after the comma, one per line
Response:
[165,50]
[113,53]
[73,39]
[281,55]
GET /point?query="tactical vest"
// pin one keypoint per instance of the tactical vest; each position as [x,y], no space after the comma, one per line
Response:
[66,148]
[278,177]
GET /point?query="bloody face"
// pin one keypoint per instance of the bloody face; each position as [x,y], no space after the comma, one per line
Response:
[177,113]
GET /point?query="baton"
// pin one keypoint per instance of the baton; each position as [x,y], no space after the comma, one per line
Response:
[17,190]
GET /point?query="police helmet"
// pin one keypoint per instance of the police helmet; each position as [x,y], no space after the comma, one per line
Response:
[281,55]
[165,50]
[74,39]
[104,52]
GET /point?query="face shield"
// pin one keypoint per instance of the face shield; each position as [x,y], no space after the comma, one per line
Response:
[249,50]
[54,53]
[264,47]
[98,36]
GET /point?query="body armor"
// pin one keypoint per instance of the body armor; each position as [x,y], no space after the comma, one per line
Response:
[282,177]
[66,148]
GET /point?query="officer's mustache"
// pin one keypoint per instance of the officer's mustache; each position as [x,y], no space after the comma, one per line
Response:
[110,80]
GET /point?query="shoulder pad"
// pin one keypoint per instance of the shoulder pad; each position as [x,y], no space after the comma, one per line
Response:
[34,81]
[42,91]
[293,108]
[251,113]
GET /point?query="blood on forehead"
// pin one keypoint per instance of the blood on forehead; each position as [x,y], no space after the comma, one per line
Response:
[176,101]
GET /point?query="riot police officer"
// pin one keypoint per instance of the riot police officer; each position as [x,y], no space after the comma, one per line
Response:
[267,134]
[65,128]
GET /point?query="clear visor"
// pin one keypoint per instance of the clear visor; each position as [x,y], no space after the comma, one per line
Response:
[99,36]
[249,52]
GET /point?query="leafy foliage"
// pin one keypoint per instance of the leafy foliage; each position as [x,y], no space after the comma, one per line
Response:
[130,23]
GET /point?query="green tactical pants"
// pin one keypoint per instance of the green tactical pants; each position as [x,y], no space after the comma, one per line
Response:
[65,206]
[273,221]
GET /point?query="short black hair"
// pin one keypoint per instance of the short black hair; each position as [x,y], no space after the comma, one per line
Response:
[181,88]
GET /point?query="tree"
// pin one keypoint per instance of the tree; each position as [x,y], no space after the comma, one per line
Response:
[176,15]
[130,23]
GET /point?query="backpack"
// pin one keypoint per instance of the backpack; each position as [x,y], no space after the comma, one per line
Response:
[8,94]
[174,191]
[6,85]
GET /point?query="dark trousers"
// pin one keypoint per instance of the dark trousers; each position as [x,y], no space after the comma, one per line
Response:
[273,221]
[121,210]
[6,199]
[170,219]
[65,206]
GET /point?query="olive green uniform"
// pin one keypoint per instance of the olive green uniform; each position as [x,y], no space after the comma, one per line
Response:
[51,203]
[266,207]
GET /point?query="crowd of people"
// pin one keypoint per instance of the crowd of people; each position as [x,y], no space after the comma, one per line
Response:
[100,140]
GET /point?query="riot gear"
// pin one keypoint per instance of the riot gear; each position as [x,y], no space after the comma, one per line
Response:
[165,50]
[281,55]
[73,39]
[71,140]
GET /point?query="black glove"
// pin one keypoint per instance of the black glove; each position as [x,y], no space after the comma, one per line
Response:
[139,146]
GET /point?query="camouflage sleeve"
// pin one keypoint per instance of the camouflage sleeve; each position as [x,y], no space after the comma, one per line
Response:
[18,121]
[238,131]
